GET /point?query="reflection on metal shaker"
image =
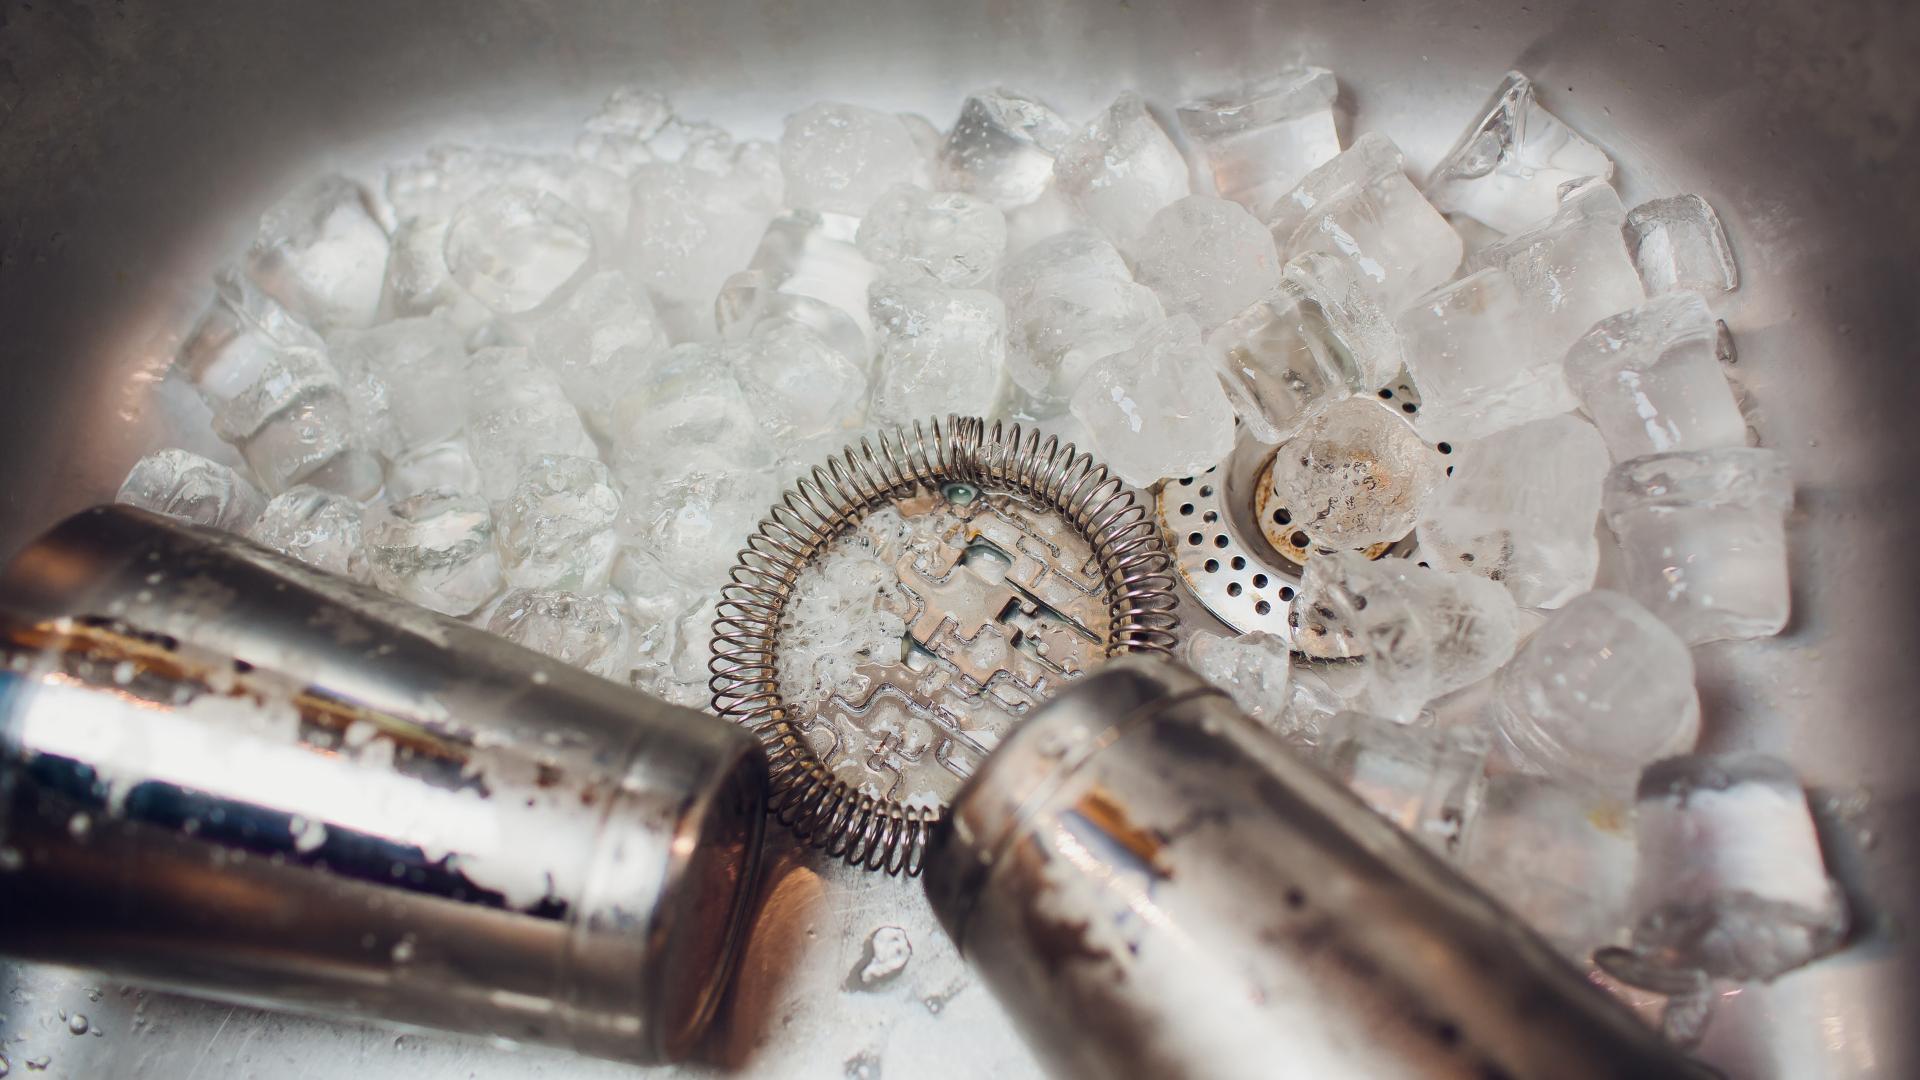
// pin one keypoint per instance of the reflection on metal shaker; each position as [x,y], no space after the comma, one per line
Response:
[225,773]
[1154,888]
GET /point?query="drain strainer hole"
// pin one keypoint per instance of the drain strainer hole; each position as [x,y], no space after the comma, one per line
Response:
[1233,588]
[1213,566]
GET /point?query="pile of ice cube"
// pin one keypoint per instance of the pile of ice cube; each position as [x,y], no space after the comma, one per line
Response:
[552,393]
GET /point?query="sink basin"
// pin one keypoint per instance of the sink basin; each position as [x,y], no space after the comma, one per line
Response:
[140,141]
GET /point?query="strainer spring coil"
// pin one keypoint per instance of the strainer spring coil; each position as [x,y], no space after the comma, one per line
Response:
[1128,550]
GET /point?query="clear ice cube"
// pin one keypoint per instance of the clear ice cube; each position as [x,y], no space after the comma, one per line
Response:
[808,271]
[446,177]
[1678,244]
[1427,781]
[294,424]
[1521,508]
[941,350]
[187,487]
[692,523]
[689,404]
[517,249]
[1731,881]
[798,386]
[1261,139]
[1703,533]
[1002,148]
[1282,363]
[1507,169]
[1558,855]
[1572,270]
[952,237]
[446,464]
[517,414]
[1599,691]
[556,530]
[615,137]
[406,380]
[1347,304]
[1070,301]
[1356,475]
[1472,350]
[1252,668]
[320,528]
[1206,257]
[1422,632]
[242,331]
[839,158]
[1651,379]
[691,227]
[1360,207]
[1157,409]
[599,342]
[322,252]
[582,630]
[1121,169]
[417,279]
[435,549]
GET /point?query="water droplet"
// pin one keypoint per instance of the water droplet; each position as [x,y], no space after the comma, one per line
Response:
[77,1023]
[79,825]
[40,1063]
[93,993]
[124,671]
[539,678]
[10,859]
[863,1066]
[888,951]
[403,950]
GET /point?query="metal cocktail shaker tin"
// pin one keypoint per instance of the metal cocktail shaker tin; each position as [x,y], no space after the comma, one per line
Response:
[1153,887]
[225,773]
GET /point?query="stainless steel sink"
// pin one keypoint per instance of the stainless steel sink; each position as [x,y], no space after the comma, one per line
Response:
[138,141]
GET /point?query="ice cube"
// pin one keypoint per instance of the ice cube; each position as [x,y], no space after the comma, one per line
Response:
[1731,881]
[1281,363]
[1678,244]
[434,549]
[293,424]
[799,387]
[1002,148]
[1507,169]
[689,404]
[1599,691]
[1157,409]
[806,271]
[1422,632]
[1043,219]
[1261,139]
[652,606]
[517,249]
[438,465]
[1317,693]
[1251,668]
[447,177]
[1704,538]
[556,530]
[694,522]
[1651,379]
[839,158]
[1356,475]
[1360,207]
[941,350]
[953,238]
[322,252]
[1207,258]
[1572,270]
[417,278]
[582,630]
[599,342]
[1558,855]
[242,331]
[692,227]
[187,487]
[1070,301]
[406,380]
[319,528]
[1428,782]
[1121,169]
[517,414]
[1472,350]
[1521,509]
[616,136]
[1351,311]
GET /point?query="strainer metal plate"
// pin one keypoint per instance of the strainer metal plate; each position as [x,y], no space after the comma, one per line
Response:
[865,780]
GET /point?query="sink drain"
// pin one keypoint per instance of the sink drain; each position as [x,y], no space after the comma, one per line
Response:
[1075,569]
